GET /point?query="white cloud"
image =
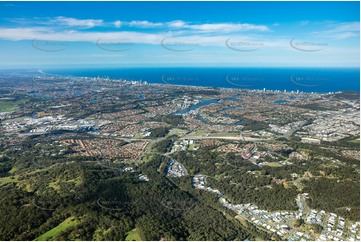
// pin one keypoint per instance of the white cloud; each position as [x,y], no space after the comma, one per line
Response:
[144,24]
[63,22]
[344,35]
[73,22]
[347,26]
[339,31]
[228,27]
[216,27]
[177,24]
[211,27]
[23,33]
[48,34]
[77,36]
[117,24]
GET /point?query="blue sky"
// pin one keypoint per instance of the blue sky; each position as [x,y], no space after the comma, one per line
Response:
[131,34]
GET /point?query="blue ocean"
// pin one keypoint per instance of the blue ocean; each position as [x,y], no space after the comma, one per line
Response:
[321,80]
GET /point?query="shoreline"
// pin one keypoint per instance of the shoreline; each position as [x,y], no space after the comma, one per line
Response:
[140,82]
[161,82]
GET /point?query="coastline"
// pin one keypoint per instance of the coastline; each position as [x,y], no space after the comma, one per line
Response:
[182,78]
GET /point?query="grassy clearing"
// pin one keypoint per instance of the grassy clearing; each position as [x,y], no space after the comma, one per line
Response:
[273,164]
[13,170]
[287,186]
[77,181]
[200,132]
[224,134]
[55,185]
[133,236]
[242,220]
[28,187]
[51,234]
[355,141]
[9,105]
[91,117]
[40,170]
[9,179]
[146,157]
[19,119]
[299,185]
[178,132]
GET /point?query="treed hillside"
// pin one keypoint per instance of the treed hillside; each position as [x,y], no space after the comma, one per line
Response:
[105,203]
